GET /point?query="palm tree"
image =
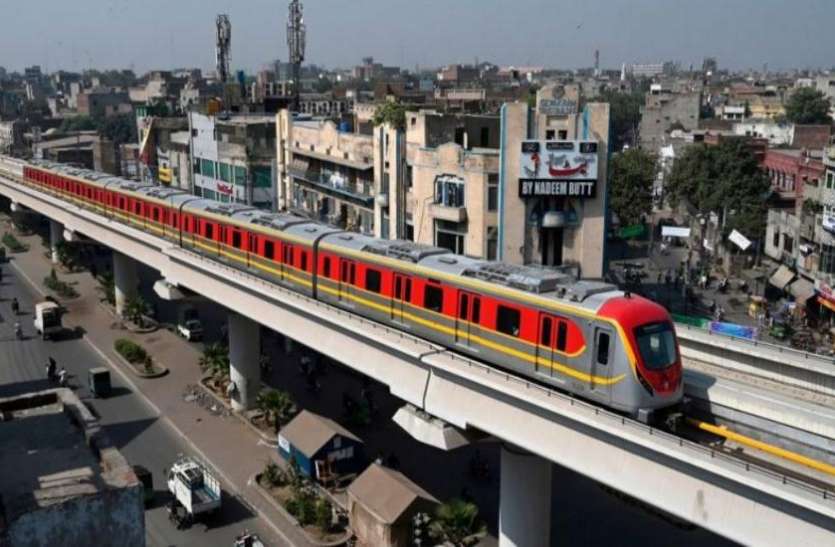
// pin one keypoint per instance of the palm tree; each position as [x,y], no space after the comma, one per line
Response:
[277,405]
[135,309]
[456,522]
[215,359]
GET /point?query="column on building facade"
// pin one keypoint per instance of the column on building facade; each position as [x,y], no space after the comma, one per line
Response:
[244,354]
[524,499]
[56,236]
[125,280]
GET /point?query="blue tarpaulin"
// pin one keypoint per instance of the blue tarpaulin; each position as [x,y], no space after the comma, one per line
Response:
[732,329]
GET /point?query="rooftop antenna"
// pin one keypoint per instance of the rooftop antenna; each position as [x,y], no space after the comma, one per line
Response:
[223,50]
[296,34]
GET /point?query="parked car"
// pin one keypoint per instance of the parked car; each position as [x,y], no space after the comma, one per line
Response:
[191,330]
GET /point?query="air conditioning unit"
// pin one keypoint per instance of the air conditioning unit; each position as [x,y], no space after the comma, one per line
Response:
[828,223]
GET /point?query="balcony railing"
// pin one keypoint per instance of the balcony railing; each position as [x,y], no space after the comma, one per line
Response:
[448,212]
[347,191]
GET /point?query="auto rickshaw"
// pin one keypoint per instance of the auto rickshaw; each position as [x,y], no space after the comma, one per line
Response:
[98,380]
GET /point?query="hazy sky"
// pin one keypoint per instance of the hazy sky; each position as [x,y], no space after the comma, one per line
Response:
[149,34]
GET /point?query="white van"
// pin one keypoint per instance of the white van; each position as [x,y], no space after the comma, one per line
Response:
[48,319]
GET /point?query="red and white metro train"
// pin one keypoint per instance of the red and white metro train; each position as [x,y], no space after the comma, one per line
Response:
[584,337]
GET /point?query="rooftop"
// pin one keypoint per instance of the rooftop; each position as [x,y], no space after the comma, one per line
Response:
[309,432]
[51,441]
[386,493]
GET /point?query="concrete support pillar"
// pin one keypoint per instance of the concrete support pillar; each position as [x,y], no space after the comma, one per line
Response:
[244,354]
[125,280]
[525,499]
[56,236]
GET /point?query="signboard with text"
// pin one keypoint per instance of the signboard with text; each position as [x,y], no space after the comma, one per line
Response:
[558,168]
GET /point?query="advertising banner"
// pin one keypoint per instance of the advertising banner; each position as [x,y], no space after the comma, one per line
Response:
[732,329]
[558,168]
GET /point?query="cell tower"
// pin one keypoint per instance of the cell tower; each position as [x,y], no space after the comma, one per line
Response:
[296,34]
[596,63]
[224,47]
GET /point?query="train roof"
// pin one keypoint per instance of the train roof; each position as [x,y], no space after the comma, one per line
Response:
[277,221]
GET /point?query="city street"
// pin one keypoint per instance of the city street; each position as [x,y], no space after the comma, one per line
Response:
[133,426]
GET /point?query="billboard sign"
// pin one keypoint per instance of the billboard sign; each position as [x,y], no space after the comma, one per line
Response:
[557,107]
[558,168]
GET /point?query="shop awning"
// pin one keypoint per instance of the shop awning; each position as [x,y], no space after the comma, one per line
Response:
[782,277]
[802,290]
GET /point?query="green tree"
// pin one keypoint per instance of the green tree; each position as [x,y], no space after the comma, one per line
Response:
[457,522]
[630,185]
[392,113]
[78,123]
[120,129]
[135,310]
[726,180]
[808,106]
[278,405]
[624,115]
[215,359]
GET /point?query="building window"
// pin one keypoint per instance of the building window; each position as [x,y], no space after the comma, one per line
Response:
[492,192]
[450,235]
[409,175]
[433,298]
[788,243]
[830,180]
[449,191]
[485,137]
[550,134]
[492,243]
[827,261]
[562,134]
[225,171]
[507,320]
[373,280]
[207,168]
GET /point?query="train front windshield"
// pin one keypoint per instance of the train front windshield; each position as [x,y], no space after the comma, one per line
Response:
[657,345]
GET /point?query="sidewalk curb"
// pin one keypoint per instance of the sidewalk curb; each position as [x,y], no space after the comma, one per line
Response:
[164,418]
[267,439]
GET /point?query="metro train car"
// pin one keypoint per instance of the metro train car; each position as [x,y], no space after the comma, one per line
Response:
[584,337]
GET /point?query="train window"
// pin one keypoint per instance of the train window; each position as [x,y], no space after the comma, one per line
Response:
[433,298]
[210,230]
[155,214]
[123,203]
[326,266]
[562,335]
[373,280]
[603,348]
[507,320]
[137,207]
[475,317]
[269,250]
[236,239]
[545,332]
[304,261]
[287,254]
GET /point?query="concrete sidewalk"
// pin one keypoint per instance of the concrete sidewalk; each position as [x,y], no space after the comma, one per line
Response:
[230,447]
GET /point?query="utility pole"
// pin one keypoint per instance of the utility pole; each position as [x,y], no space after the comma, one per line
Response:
[296,34]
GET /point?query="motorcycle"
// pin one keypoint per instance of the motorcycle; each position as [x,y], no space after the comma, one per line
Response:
[18,331]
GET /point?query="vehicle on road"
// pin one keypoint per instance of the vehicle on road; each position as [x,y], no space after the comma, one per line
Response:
[98,381]
[191,330]
[48,319]
[194,487]
[248,539]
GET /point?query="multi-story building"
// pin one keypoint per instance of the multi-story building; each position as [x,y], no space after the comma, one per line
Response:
[103,102]
[649,70]
[232,158]
[665,110]
[450,179]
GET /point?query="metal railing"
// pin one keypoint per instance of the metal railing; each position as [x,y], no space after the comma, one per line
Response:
[246,281]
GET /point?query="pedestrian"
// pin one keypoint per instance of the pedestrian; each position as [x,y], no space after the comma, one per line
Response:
[15,306]
[62,377]
[49,372]
[50,369]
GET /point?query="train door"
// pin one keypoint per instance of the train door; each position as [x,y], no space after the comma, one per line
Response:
[545,348]
[469,314]
[601,364]
[286,259]
[347,278]
[401,296]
